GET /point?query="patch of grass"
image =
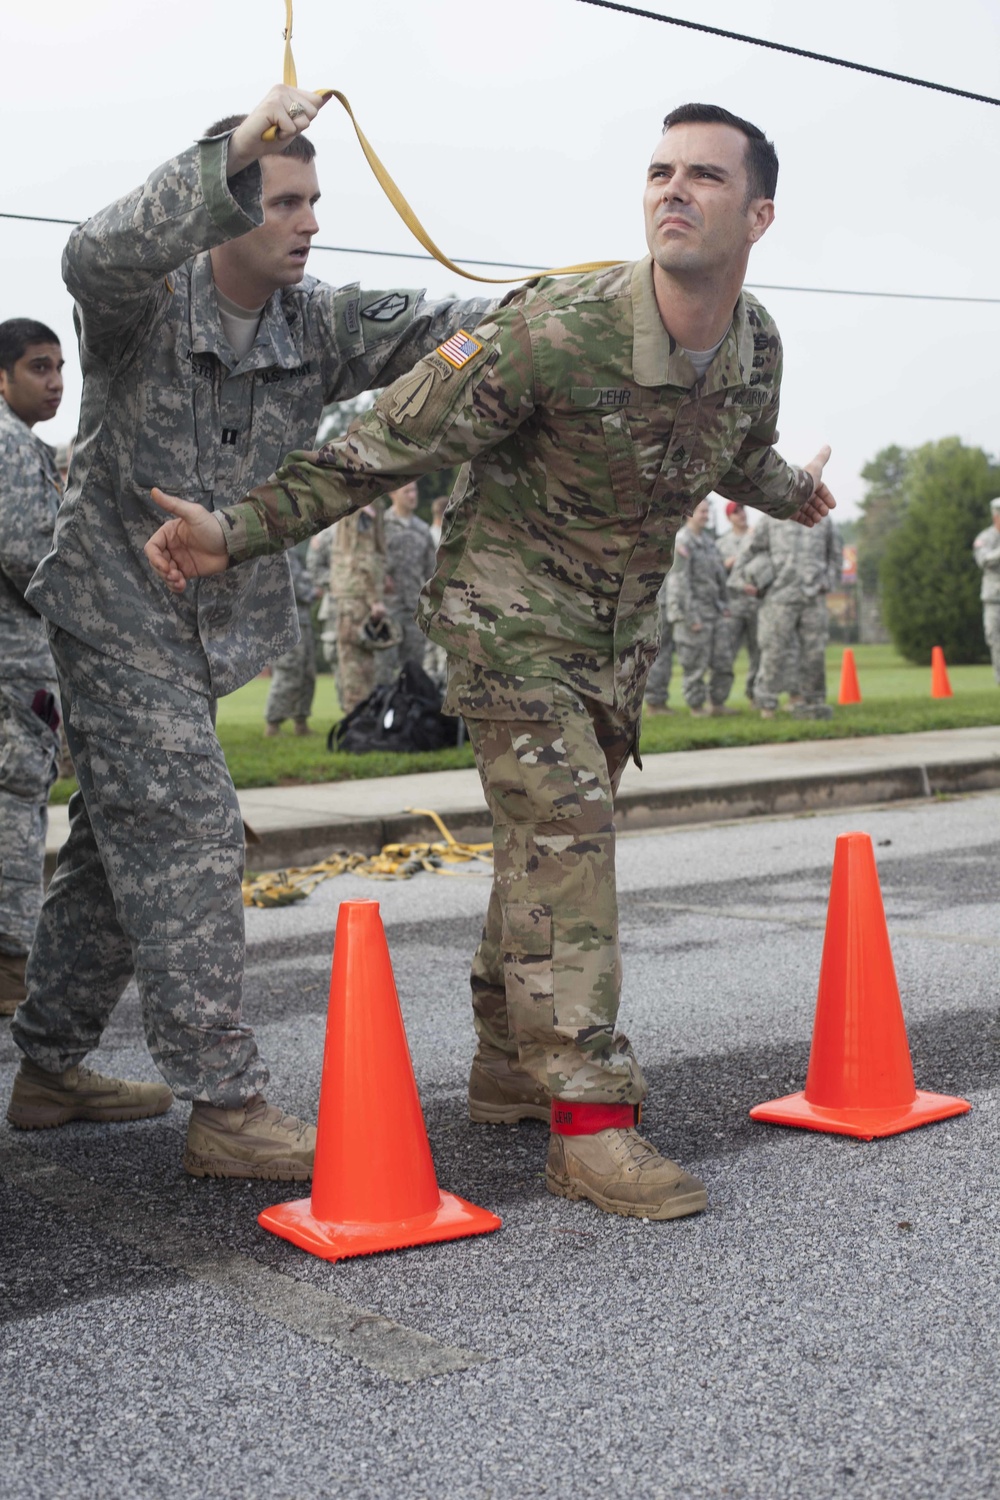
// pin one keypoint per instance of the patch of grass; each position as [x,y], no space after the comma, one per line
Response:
[896,700]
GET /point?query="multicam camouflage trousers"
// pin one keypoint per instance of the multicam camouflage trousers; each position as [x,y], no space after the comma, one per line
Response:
[148,882]
[792,651]
[359,670]
[658,681]
[743,632]
[701,652]
[547,974]
[991,630]
[293,680]
[29,753]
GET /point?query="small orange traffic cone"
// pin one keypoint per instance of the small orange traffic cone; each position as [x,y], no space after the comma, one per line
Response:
[940,686]
[374,1186]
[860,1079]
[850,692]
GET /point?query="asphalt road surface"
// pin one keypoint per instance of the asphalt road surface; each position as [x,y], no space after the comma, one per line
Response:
[827,1329]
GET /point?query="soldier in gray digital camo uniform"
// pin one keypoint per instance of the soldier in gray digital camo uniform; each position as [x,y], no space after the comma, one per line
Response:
[293,674]
[410,560]
[206,351]
[744,604]
[698,610]
[986,551]
[656,700]
[587,435]
[31,386]
[794,569]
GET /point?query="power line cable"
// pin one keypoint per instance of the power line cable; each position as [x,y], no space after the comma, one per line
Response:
[514,265]
[757,41]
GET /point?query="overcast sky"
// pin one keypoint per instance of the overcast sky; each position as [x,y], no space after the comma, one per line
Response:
[523,130]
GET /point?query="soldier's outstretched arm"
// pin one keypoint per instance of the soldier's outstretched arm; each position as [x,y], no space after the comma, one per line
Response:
[457,404]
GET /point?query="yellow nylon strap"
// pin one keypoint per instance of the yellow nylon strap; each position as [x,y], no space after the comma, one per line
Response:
[288,74]
[394,195]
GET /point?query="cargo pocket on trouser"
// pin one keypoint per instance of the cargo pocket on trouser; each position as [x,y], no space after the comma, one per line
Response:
[29,751]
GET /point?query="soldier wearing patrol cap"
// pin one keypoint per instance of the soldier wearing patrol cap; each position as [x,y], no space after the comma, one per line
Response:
[744,603]
[592,414]
[207,352]
[986,551]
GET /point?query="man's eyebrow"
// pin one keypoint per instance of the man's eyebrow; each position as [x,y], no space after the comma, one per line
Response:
[692,166]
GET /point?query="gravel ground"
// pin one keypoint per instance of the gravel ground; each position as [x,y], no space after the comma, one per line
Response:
[827,1329]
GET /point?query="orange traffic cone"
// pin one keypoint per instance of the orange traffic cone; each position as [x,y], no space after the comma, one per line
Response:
[940,686]
[849,689]
[374,1186]
[860,1079]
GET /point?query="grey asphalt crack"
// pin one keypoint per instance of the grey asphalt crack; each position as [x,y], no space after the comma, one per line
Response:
[401,1353]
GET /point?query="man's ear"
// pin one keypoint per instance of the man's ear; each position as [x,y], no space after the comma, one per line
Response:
[761,213]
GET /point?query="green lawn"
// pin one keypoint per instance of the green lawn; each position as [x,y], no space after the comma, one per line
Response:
[896,700]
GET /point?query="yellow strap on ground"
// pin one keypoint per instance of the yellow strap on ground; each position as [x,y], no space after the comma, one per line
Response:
[397,199]
[393,862]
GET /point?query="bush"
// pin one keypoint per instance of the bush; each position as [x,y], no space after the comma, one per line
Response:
[929,580]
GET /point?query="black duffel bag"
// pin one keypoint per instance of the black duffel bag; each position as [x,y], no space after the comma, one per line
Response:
[404,715]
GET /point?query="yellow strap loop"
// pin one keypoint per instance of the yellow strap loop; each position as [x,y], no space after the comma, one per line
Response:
[393,193]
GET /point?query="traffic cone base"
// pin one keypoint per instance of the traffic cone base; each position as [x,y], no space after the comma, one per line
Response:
[864,1124]
[453,1219]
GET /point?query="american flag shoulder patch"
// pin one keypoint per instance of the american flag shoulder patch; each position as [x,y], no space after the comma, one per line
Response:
[459,349]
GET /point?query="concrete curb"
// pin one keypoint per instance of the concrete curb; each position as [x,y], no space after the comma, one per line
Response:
[639,810]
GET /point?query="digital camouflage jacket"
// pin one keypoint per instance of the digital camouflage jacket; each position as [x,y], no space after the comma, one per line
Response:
[166,403]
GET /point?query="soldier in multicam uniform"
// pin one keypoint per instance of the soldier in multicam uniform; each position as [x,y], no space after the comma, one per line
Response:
[293,674]
[411,557]
[986,551]
[31,386]
[206,352]
[357,583]
[658,682]
[743,601]
[698,610]
[794,570]
[587,435]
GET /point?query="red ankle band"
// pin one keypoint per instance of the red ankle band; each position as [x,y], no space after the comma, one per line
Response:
[588,1119]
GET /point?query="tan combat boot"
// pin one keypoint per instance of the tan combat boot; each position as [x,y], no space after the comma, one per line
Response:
[257,1141]
[302,727]
[40,1100]
[12,990]
[500,1093]
[623,1174]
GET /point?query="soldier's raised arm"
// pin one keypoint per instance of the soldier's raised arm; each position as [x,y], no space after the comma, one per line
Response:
[206,195]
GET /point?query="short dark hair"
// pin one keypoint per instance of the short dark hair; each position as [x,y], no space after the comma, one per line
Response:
[15,336]
[761,157]
[300,146]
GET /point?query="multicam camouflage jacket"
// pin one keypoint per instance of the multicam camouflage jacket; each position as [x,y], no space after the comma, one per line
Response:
[30,491]
[165,402]
[793,564]
[357,556]
[696,584]
[587,439]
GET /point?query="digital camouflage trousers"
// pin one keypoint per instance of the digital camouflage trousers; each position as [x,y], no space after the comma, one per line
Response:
[546,977]
[792,652]
[29,753]
[293,680]
[148,883]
